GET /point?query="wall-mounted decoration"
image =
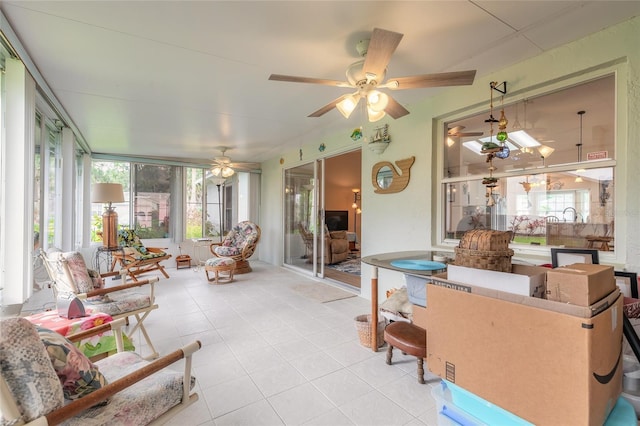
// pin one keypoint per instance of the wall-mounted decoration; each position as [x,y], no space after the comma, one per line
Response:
[356,135]
[300,154]
[387,180]
[281,160]
[322,147]
[380,140]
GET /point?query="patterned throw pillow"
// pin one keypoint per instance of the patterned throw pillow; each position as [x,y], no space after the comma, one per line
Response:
[27,370]
[78,376]
[81,279]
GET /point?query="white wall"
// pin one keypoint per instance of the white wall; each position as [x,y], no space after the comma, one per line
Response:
[407,220]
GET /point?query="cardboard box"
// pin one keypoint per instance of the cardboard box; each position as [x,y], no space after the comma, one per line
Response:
[548,362]
[523,279]
[580,283]
[419,317]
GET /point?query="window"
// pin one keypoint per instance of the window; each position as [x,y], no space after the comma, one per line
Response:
[114,172]
[555,187]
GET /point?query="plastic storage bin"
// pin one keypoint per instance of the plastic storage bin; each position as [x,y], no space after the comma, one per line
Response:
[448,413]
[481,408]
[450,400]
[417,289]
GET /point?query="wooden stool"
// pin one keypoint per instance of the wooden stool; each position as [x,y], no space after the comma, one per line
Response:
[218,265]
[410,339]
[183,261]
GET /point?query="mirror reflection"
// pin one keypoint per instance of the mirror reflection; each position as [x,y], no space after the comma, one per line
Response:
[384,177]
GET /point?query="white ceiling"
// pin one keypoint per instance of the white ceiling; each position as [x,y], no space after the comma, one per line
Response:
[179,79]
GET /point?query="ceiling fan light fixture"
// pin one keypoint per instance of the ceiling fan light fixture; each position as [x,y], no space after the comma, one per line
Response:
[377,101]
[347,105]
[375,115]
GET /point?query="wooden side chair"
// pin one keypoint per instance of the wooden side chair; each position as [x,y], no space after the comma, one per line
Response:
[70,279]
[135,258]
[45,380]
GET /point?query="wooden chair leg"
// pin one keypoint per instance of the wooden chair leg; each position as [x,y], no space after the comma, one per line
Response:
[389,354]
[420,370]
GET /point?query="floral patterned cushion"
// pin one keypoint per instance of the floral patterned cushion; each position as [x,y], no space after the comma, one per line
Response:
[140,403]
[78,376]
[129,238]
[26,368]
[118,302]
[241,235]
[82,282]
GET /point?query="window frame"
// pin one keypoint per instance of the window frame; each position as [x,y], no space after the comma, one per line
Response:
[439,182]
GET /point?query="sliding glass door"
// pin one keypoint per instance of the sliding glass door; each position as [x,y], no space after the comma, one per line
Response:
[303,203]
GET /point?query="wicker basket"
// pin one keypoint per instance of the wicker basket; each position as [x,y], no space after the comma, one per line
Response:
[363,325]
[493,260]
[486,239]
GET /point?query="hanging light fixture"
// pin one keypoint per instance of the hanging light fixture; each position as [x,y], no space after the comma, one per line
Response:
[348,104]
[579,146]
[224,171]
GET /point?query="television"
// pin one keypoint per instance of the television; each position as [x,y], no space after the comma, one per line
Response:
[336,220]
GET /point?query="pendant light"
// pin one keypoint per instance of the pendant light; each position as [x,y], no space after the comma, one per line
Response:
[579,147]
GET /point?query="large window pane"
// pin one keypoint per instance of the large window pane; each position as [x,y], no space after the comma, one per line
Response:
[110,172]
[194,200]
[152,200]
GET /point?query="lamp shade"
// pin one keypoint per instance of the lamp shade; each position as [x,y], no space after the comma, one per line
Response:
[107,193]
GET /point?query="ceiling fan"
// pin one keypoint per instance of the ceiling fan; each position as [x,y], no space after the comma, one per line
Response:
[223,167]
[367,76]
[457,131]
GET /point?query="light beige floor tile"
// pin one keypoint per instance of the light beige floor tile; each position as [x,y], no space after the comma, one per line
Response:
[274,380]
[300,404]
[334,417]
[231,395]
[375,409]
[376,371]
[316,365]
[257,414]
[342,386]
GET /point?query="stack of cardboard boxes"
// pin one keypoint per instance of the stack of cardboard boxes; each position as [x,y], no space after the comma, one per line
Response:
[548,349]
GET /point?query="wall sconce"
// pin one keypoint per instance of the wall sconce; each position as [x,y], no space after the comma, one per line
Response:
[356,197]
[108,193]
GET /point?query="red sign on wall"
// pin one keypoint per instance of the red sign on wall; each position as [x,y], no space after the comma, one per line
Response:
[597,155]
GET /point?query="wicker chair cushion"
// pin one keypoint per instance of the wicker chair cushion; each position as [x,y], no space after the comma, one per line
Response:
[27,370]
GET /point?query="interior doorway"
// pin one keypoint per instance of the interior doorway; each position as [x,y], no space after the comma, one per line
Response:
[322,205]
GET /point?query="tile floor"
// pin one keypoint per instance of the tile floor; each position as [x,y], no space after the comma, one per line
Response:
[273,357]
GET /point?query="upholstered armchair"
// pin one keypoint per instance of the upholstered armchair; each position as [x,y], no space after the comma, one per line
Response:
[239,244]
[46,380]
[336,247]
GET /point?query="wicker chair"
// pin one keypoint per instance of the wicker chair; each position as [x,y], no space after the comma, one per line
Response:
[239,244]
[44,380]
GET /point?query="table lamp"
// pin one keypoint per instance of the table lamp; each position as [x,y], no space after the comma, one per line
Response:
[108,193]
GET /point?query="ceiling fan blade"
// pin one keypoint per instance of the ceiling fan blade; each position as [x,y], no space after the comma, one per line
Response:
[463,134]
[245,166]
[328,107]
[457,78]
[295,79]
[394,109]
[381,46]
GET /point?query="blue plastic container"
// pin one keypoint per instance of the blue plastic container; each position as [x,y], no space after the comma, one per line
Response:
[483,410]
